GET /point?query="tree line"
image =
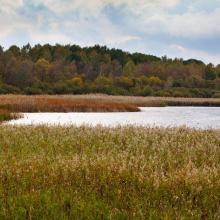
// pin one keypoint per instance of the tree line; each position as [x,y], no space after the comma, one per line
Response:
[71,69]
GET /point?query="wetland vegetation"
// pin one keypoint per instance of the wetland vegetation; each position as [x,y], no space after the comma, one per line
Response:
[109,173]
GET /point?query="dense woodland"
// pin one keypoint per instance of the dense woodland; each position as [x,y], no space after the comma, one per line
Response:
[71,69]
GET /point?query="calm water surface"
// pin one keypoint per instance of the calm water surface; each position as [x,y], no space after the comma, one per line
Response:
[196,117]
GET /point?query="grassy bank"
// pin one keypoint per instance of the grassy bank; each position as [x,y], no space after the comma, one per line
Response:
[101,173]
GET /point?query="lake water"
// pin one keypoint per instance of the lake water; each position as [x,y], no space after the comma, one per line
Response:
[195,117]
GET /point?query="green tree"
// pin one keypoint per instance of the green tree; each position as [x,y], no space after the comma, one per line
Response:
[77,81]
[103,81]
[124,82]
[41,69]
[15,50]
[129,68]
[210,73]
[154,81]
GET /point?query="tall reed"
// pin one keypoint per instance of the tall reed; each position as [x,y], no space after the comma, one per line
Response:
[93,102]
[103,173]
[62,104]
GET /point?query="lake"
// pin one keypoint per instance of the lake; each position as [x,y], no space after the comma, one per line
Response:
[194,117]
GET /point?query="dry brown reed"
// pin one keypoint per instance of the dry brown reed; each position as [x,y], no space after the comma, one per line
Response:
[151,101]
[62,104]
[94,103]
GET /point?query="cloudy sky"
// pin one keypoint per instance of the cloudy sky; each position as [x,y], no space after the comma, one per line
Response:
[176,28]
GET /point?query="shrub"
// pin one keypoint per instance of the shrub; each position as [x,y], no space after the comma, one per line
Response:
[146,91]
[124,82]
[33,91]
[216,95]
[7,89]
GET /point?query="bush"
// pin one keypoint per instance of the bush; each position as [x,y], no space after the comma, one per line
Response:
[33,91]
[216,95]
[61,88]
[162,93]
[7,89]
[110,90]
[124,82]
[147,91]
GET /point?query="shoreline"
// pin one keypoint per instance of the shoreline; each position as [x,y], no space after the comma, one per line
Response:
[12,105]
[102,99]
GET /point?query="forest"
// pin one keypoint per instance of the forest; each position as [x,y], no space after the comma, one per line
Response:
[71,69]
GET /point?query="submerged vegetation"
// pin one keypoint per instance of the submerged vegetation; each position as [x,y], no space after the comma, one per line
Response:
[103,173]
[71,69]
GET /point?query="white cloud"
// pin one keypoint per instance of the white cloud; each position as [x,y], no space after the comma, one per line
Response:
[178,47]
[190,24]
[176,50]
[144,20]
[9,20]
[9,7]
[53,38]
[117,39]
[152,16]
[65,6]
[95,6]
[145,4]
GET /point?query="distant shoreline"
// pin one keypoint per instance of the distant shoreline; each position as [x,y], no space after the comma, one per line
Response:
[11,104]
[95,103]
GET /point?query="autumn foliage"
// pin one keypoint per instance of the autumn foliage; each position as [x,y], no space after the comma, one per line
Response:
[71,69]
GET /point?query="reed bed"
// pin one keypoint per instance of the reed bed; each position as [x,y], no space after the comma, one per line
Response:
[19,103]
[152,101]
[103,173]
[95,103]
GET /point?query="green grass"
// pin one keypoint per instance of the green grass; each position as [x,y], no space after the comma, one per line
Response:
[109,173]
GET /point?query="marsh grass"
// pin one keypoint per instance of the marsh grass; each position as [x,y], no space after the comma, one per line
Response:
[95,103]
[62,104]
[151,101]
[109,173]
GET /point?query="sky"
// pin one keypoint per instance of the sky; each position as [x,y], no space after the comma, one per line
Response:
[176,28]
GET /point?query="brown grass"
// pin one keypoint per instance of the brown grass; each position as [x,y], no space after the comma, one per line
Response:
[19,103]
[152,101]
[94,103]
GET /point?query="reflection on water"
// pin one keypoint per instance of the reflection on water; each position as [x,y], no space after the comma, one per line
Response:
[197,117]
